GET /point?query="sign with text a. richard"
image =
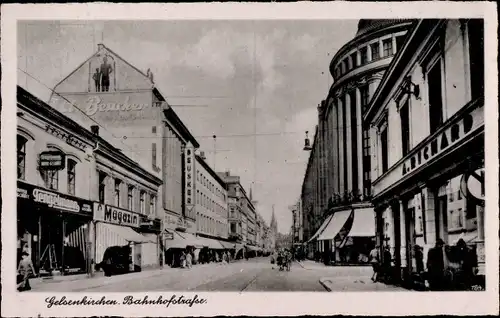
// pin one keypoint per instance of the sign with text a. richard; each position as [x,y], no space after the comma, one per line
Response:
[110,107]
[113,215]
[435,147]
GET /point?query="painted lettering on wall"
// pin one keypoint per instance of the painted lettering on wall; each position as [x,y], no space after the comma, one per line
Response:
[54,200]
[444,140]
[95,104]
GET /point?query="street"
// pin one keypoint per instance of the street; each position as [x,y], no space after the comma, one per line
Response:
[256,274]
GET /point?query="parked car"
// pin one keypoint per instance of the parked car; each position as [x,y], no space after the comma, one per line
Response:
[116,260]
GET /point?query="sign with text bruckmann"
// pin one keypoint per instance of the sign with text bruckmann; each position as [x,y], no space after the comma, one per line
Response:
[114,215]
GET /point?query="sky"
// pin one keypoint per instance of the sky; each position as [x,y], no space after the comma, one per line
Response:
[254,84]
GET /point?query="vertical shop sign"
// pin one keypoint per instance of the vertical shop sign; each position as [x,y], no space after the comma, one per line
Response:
[189,166]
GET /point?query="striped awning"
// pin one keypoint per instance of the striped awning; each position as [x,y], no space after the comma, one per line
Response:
[177,242]
[192,240]
[321,228]
[227,245]
[127,233]
[337,221]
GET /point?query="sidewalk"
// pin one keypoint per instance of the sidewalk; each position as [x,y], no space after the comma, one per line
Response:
[356,284]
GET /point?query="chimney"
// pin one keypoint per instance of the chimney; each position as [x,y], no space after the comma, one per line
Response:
[226,173]
[95,129]
[202,155]
[100,46]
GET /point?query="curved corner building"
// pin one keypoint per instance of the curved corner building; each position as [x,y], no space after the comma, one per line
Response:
[339,220]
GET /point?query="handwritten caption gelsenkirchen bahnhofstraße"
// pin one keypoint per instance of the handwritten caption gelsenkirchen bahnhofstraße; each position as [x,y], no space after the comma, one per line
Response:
[127,300]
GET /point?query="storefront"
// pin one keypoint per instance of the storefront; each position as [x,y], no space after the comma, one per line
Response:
[151,251]
[53,228]
[118,227]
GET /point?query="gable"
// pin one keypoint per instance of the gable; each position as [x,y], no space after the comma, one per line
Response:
[123,76]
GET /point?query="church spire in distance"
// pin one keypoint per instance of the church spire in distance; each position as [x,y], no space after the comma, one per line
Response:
[274,224]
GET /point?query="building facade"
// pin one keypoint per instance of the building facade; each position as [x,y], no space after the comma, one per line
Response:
[211,202]
[339,219]
[426,124]
[107,90]
[82,194]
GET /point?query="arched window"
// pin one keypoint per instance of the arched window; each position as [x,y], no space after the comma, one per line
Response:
[71,176]
[21,157]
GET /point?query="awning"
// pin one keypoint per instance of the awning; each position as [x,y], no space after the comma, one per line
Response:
[468,237]
[321,228]
[227,245]
[252,248]
[336,223]
[127,233]
[191,240]
[363,224]
[177,242]
[210,243]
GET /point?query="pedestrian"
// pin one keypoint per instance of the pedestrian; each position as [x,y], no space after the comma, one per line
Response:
[436,266]
[183,259]
[375,261]
[25,270]
[468,265]
[189,260]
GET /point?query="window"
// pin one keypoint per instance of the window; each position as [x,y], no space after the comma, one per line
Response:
[153,129]
[435,96]
[384,145]
[404,113]
[21,157]
[51,179]
[102,186]
[387,46]
[152,205]
[476,56]
[375,51]
[117,192]
[143,202]
[364,55]
[354,59]
[71,176]
[197,196]
[130,198]
[365,96]
[153,155]
[400,40]
[354,144]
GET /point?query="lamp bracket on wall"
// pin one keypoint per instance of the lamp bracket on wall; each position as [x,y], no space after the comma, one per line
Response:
[408,87]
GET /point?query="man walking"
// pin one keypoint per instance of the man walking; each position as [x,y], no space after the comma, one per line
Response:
[375,261]
[106,70]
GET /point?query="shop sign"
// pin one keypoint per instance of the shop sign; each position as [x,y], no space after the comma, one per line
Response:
[53,200]
[472,185]
[95,104]
[189,173]
[451,135]
[52,160]
[113,215]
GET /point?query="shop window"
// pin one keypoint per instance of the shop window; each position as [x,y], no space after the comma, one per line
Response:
[375,51]
[71,176]
[364,55]
[455,219]
[143,202]
[130,198]
[21,157]
[404,114]
[434,86]
[51,179]
[476,56]
[152,205]
[118,183]
[102,187]
[387,47]
[471,209]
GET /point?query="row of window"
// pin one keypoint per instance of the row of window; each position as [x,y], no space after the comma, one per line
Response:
[351,61]
[209,204]
[131,196]
[200,177]
[209,225]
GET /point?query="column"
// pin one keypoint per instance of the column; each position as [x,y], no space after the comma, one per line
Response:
[374,153]
[359,116]
[349,141]
[358,57]
[402,219]
[342,186]
[394,49]
[369,53]
[335,147]
[380,48]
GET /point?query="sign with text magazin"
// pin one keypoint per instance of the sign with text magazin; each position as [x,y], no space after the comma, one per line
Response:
[114,215]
